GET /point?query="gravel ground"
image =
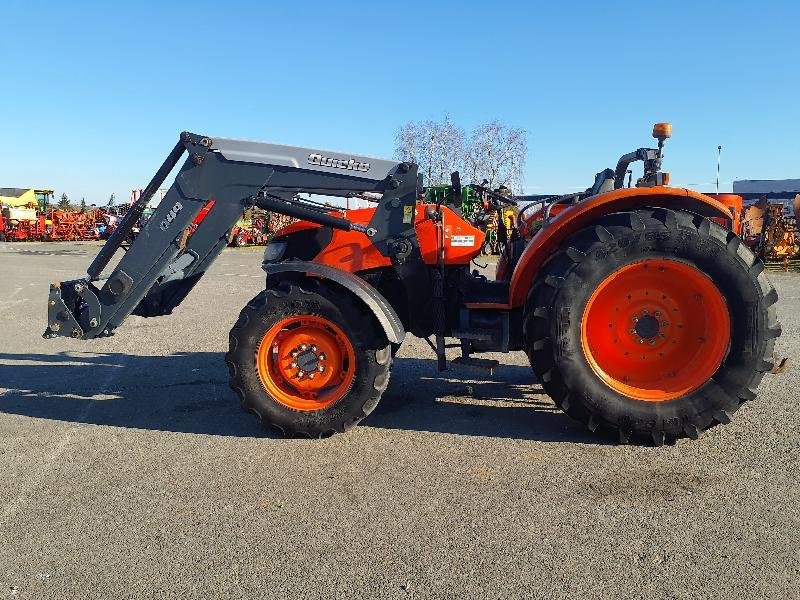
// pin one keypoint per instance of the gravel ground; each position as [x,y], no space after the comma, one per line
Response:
[128,470]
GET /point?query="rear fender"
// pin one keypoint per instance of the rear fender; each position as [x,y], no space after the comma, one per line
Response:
[580,215]
[368,295]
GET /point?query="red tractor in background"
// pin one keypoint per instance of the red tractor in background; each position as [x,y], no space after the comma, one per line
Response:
[640,309]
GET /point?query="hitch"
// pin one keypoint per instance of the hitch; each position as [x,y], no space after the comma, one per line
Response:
[73,310]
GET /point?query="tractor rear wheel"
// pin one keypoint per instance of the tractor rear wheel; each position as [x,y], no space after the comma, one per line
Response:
[307,360]
[653,324]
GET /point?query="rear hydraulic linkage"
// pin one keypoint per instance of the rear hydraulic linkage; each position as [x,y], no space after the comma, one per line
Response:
[159,267]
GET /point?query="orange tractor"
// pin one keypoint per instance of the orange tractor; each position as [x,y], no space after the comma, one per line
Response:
[642,312]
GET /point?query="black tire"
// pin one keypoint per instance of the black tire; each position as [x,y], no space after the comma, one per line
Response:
[556,302]
[373,356]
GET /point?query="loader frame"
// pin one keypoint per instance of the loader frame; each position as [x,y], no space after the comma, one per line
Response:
[161,266]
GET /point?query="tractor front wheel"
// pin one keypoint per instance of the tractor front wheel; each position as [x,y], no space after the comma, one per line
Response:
[653,324]
[307,360]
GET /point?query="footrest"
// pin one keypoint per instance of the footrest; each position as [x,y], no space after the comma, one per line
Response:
[475,334]
[487,365]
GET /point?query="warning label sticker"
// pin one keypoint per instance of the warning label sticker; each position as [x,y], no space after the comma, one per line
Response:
[408,214]
[462,240]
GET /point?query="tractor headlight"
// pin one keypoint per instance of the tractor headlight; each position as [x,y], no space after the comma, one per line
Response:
[274,251]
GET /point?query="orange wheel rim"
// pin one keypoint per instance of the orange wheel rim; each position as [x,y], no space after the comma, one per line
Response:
[306,362]
[656,330]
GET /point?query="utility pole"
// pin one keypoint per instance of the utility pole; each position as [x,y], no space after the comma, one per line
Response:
[719,156]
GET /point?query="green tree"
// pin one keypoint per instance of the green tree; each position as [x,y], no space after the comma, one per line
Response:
[111,201]
[63,203]
[83,205]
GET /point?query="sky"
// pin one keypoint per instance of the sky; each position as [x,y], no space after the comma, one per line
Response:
[94,94]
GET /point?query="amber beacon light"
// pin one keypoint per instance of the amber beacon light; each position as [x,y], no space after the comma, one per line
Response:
[662,131]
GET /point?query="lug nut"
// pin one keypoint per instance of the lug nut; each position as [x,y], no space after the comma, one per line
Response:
[652,342]
[657,314]
[55,326]
[635,319]
[313,348]
[311,375]
[633,331]
[321,357]
[321,368]
[93,323]
[641,341]
[300,374]
[52,303]
[303,347]
[293,353]
[645,313]
[664,324]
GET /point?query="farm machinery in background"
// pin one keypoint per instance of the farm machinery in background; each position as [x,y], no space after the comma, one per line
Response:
[26,215]
[771,230]
[255,228]
[477,206]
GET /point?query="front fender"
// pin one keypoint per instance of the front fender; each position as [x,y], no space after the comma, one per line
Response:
[369,296]
[582,214]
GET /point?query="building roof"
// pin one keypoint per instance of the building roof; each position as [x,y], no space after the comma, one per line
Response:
[774,187]
[13,192]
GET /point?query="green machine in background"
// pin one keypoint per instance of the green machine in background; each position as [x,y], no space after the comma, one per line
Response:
[444,194]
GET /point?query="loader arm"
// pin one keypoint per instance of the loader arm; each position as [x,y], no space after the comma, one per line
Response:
[161,266]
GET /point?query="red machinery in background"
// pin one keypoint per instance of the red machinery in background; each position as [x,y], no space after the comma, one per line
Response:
[16,229]
[70,226]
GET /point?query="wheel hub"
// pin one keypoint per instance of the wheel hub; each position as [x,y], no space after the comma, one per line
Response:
[308,361]
[647,327]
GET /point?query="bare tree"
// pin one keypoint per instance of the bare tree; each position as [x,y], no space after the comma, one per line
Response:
[496,153]
[436,146]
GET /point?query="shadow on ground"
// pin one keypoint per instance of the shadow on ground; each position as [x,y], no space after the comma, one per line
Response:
[189,393]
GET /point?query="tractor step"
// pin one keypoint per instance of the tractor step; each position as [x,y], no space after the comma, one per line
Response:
[487,365]
[475,334]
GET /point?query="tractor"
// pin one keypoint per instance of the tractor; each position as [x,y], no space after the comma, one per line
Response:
[643,314]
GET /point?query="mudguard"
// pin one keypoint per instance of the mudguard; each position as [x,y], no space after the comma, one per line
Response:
[374,301]
[580,215]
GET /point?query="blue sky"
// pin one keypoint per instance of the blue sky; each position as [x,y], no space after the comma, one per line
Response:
[95,93]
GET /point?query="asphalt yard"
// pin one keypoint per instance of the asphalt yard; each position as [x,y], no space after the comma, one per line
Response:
[129,470]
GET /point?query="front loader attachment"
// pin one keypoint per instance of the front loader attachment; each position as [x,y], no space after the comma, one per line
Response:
[161,266]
